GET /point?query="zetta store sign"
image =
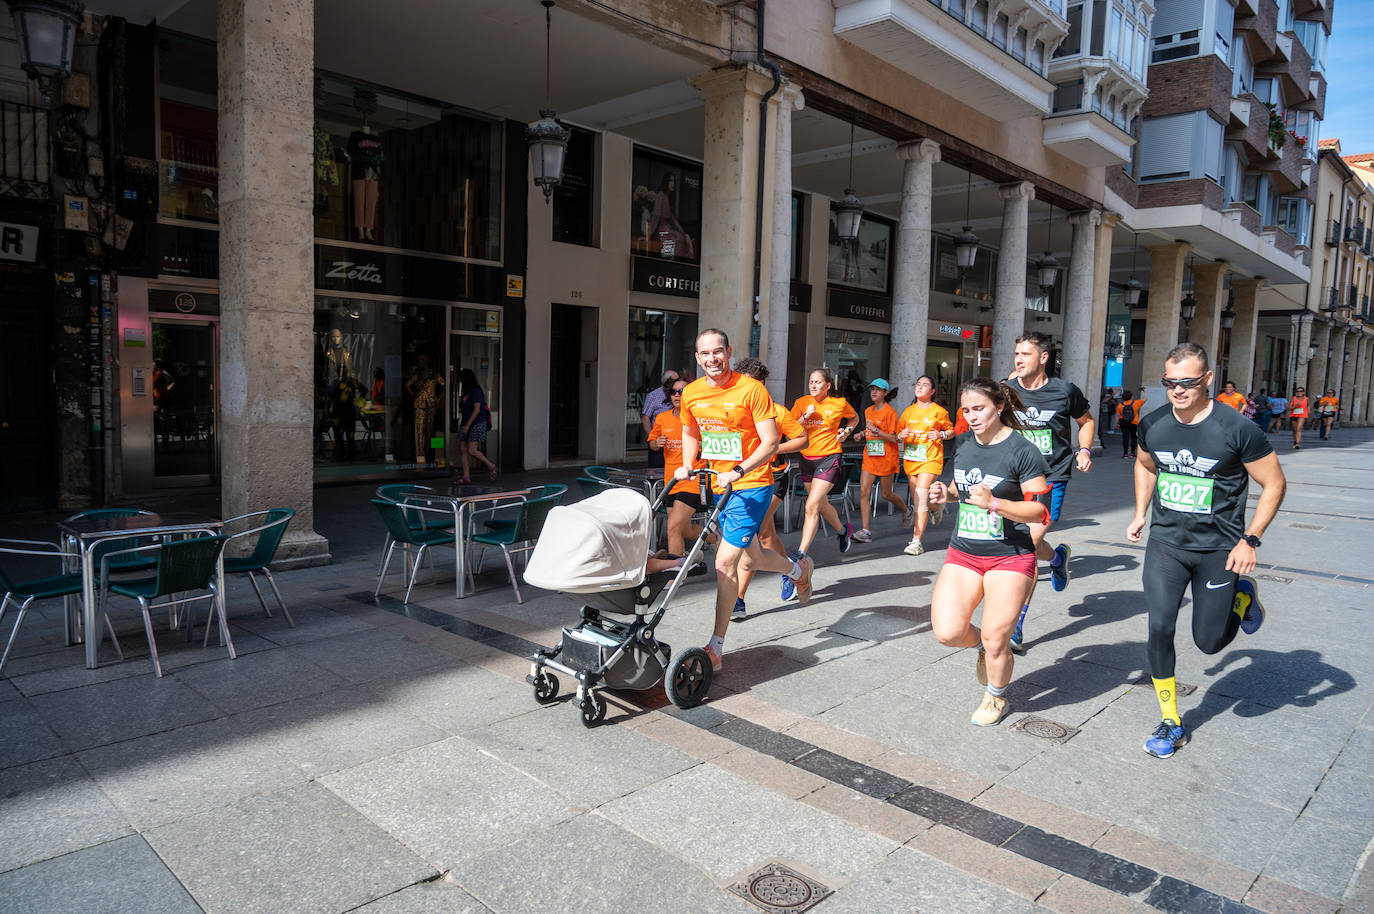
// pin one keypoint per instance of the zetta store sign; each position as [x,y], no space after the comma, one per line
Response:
[341,269]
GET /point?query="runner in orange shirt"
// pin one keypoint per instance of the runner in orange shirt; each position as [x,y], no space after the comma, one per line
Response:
[1297,411]
[822,416]
[1231,398]
[684,498]
[768,531]
[881,458]
[728,419]
[1327,407]
[924,428]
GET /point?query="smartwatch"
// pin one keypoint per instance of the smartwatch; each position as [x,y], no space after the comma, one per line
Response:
[1252,540]
[740,470]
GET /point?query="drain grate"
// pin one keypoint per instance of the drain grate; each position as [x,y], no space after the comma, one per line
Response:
[1276,578]
[1182,688]
[1041,728]
[1307,526]
[780,890]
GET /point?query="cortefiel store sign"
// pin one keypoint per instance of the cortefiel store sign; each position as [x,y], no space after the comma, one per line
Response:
[18,242]
[665,277]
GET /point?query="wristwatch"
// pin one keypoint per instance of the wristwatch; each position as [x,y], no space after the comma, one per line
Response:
[1252,540]
[740,471]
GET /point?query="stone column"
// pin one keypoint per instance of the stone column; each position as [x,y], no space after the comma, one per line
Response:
[1358,387]
[1009,318]
[1102,274]
[1078,304]
[1368,378]
[266,250]
[1346,356]
[1205,330]
[1302,336]
[911,279]
[1244,333]
[1316,367]
[774,347]
[1161,320]
[1335,364]
[728,200]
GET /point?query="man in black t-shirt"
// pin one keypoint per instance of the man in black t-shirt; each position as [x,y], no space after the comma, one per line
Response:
[1052,406]
[1192,473]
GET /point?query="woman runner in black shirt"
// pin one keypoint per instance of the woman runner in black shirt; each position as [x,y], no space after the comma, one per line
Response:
[991,557]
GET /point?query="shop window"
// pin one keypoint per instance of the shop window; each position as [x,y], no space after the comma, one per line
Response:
[864,263]
[188,132]
[977,282]
[402,172]
[659,340]
[798,237]
[574,199]
[855,358]
[665,207]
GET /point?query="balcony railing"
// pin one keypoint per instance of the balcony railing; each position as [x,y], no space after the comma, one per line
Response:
[1353,302]
[1333,237]
[1368,239]
[1350,235]
[25,166]
[1333,299]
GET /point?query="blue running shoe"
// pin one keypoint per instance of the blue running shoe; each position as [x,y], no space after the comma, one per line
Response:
[846,537]
[1059,574]
[1248,604]
[739,613]
[1167,737]
[1017,641]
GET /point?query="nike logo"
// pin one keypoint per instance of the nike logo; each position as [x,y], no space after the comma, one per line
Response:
[1211,586]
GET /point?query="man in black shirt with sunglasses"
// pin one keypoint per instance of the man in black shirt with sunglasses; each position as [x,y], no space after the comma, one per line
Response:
[1192,473]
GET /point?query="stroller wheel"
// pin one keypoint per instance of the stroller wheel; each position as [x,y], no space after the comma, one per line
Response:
[689,678]
[593,709]
[545,687]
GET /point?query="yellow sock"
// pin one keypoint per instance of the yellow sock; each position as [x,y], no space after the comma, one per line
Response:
[1167,692]
[1241,604]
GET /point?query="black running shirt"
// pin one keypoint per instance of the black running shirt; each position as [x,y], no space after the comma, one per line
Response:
[1199,498]
[1049,417]
[1002,467]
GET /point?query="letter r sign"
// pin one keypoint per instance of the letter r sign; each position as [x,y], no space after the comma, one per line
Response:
[18,242]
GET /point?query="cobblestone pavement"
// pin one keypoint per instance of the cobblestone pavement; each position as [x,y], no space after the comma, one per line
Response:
[391,758]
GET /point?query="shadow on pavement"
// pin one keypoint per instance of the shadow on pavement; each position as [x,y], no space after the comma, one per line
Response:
[1270,681]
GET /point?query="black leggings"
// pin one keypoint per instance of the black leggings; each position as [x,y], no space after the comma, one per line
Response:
[1168,572]
[1127,438]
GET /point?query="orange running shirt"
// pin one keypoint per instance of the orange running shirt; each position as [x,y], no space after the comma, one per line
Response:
[823,425]
[1297,407]
[725,421]
[1329,405]
[881,458]
[787,428]
[1235,401]
[668,426]
[923,443]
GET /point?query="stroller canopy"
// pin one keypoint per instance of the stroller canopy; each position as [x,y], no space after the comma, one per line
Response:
[600,543]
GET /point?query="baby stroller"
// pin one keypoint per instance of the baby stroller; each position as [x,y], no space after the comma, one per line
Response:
[597,549]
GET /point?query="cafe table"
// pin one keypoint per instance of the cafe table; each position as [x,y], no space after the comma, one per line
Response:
[464,499]
[89,532]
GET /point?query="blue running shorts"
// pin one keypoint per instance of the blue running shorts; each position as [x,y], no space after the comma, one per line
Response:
[743,513]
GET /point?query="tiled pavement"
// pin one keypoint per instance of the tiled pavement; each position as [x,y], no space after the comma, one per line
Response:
[389,758]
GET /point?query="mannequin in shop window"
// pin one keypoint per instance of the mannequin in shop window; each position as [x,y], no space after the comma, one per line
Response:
[365,163]
[426,389]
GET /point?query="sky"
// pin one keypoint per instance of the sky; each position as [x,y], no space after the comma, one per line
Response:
[1349,76]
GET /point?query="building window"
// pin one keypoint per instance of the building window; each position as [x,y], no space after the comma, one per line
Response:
[574,199]
[1177,27]
[979,22]
[798,236]
[999,31]
[1068,96]
[1223,29]
[1073,41]
[188,128]
[1295,216]
[866,262]
[1313,38]
[1018,45]
[665,208]
[855,358]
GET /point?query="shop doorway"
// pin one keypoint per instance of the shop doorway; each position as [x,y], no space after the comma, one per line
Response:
[942,364]
[27,417]
[479,352]
[185,420]
[572,382]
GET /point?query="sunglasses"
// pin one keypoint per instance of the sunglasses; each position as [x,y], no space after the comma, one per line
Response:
[678,390]
[1185,383]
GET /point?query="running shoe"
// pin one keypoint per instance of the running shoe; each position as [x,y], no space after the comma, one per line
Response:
[863,536]
[981,668]
[739,613]
[804,584]
[1018,643]
[714,655]
[991,711]
[846,537]
[1247,605]
[1167,737]
[937,514]
[789,586]
[914,547]
[908,517]
[1059,574]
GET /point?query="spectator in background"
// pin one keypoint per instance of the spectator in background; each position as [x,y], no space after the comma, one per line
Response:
[658,401]
[1278,405]
[1262,413]
[1128,415]
[1106,414]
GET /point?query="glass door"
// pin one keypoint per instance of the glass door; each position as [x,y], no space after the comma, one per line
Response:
[942,364]
[185,404]
[474,346]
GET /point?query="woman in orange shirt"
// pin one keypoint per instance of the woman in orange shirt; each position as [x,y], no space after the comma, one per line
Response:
[1297,411]
[683,499]
[822,416]
[1328,406]
[924,428]
[881,458]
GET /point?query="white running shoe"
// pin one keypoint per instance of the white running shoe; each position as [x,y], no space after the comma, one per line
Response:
[914,548]
[863,536]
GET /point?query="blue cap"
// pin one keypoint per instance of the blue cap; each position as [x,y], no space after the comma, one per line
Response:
[880,383]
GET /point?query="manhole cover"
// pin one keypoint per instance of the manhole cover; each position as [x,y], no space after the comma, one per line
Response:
[1041,728]
[1182,688]
[1276,578]
[780,890]
[1307,526]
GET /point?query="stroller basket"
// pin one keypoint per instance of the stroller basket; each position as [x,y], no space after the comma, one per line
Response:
[589,648]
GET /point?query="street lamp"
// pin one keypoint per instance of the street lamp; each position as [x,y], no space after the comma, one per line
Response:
[1228,318]
[849,211]
[1186,310]
[1047,266]
[548,139]
[966,243]
[47,32]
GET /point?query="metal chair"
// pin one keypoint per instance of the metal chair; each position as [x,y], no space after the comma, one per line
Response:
[840,490]
[493,523]
[269,536]
[519,538]
[183,566]
[590,485]
[396,493]
[105,547]
[22,593]
[402,534]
